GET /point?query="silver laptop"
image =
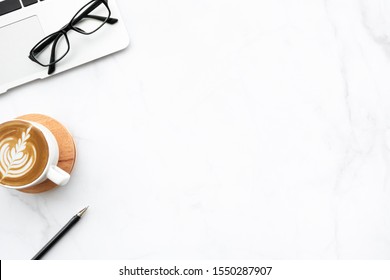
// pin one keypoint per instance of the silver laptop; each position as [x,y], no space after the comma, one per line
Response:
[76,32]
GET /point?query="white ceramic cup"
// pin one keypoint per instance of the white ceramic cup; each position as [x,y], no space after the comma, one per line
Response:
[51,172]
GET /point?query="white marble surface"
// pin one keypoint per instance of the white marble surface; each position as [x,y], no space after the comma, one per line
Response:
[228,129]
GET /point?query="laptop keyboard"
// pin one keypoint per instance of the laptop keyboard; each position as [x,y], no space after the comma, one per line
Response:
[29,2]
[8,6]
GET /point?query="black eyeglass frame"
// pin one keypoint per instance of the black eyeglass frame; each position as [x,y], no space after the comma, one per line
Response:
[56,36]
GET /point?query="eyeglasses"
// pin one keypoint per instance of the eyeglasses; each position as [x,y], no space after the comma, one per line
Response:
[54,47]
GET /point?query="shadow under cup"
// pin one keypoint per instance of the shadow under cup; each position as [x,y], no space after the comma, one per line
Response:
[24,154]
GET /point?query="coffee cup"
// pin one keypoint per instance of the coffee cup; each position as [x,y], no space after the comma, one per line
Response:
[29,155]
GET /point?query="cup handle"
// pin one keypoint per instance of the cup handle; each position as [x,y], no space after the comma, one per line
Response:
[58,176]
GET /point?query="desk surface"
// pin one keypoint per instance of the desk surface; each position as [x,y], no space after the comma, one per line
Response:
[228,129]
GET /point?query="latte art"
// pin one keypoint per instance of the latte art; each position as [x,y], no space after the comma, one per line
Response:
[23,153]
[15,161]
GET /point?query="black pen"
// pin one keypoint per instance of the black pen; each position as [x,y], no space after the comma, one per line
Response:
[60,234]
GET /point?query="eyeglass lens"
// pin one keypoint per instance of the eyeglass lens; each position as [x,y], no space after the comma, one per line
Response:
[61,47]
[92,21]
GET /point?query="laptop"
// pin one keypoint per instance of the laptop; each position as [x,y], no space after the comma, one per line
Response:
[24,23]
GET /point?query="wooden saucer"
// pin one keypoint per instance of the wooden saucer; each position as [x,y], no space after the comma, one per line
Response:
[66,146]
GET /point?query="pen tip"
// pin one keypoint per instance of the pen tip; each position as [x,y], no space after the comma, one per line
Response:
[81,213]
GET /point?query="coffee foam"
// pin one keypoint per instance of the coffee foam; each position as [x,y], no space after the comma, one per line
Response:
[23,153]
[15,160]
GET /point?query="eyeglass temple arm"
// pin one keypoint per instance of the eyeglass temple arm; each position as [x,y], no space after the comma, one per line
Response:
[42,46]
[109,20]
[52,67]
